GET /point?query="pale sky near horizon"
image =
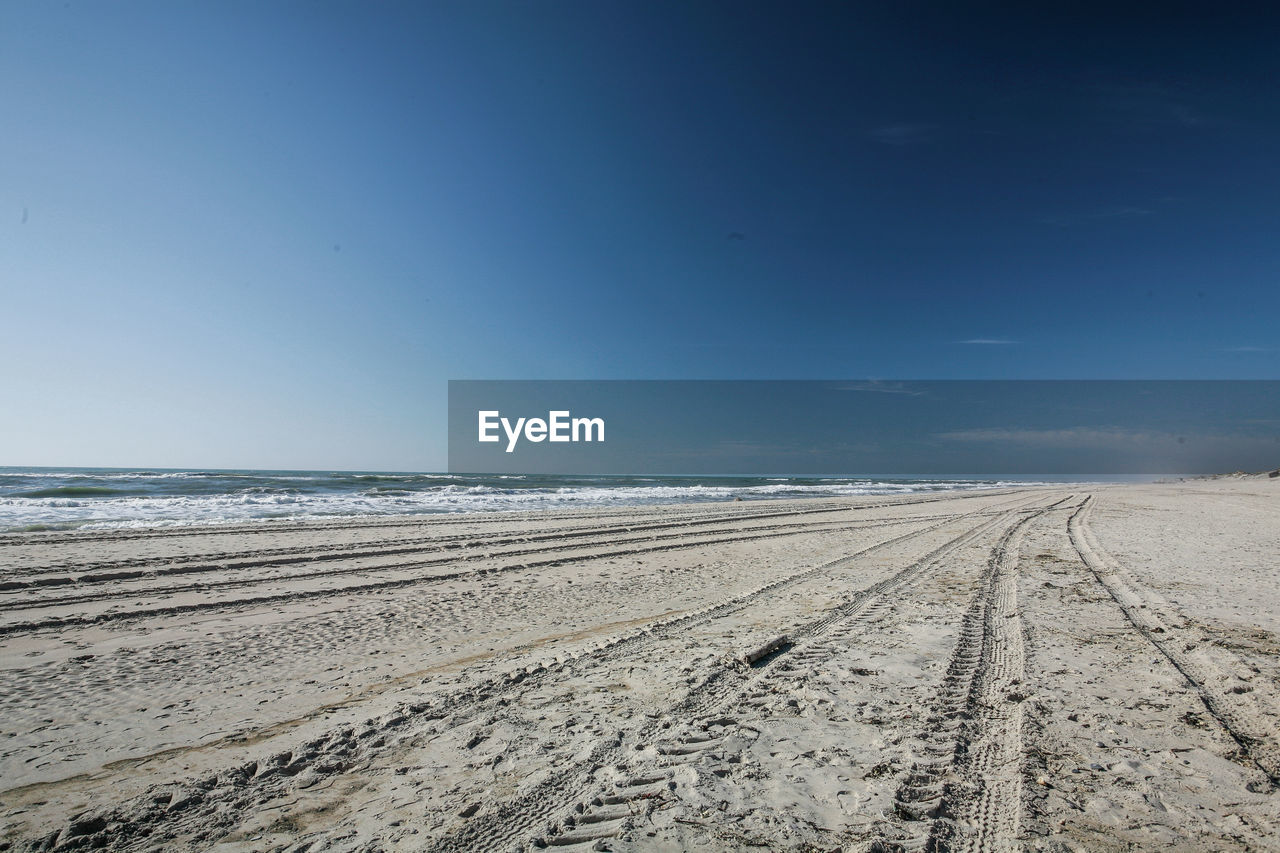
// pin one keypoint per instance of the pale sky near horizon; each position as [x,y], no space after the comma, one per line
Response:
[266,234]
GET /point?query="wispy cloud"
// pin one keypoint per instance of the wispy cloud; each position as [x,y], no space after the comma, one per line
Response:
[1113,212]
[1145,104]
[734,449]
[1248,349]
[1092,438]
[1211,448]
[878,387]
[900,135]
[988,341]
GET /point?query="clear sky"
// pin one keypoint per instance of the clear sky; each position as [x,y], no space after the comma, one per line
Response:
[265,234]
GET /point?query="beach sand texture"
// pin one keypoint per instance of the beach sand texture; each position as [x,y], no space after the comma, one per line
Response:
[1081,667]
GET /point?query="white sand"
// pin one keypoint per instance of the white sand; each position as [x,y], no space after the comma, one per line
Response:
[1077,668]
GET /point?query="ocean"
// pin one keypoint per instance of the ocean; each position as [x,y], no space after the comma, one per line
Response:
[103,498]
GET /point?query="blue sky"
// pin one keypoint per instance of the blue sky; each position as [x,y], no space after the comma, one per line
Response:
[266,234]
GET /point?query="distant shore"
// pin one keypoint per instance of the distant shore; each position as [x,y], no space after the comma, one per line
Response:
[1234,475]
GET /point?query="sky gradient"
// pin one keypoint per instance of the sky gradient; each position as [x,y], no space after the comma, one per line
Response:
[267,234]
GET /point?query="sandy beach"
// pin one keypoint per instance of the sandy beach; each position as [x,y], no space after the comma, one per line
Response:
[1074,667]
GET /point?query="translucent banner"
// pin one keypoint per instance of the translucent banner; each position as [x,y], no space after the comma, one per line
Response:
[860,428]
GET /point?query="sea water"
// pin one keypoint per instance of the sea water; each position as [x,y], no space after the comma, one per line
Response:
[93,498]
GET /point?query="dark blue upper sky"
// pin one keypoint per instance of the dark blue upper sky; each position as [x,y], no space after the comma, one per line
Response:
[265,234]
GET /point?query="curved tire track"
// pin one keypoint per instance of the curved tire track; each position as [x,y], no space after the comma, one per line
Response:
[970,788]
[1157,621]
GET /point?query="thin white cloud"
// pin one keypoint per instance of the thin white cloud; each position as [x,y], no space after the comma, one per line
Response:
[1113,212]
[902,134]
[988,341]
[1075,437]
[1248,349]
[1214,449]
[1154,105]
[881,388]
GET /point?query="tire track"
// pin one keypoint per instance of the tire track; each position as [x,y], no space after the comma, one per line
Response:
[970,787]
[385,584]
[373,586]
[182,564]
[188,563]
[166,811]
[598,815]
[1158,621]
[32,602]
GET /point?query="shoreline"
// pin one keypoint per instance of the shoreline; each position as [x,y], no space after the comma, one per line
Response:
[53,500]
[449,681]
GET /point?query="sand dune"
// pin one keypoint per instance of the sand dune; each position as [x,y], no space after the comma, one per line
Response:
[1074,668]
